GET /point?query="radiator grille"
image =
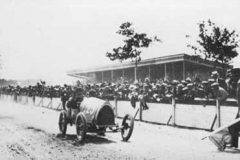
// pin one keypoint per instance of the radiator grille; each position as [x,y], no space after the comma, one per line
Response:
[105,116]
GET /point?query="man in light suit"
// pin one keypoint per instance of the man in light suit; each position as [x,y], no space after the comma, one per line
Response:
[220,81]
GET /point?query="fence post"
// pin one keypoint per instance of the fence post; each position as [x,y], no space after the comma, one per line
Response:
[26,103]
[218,114]
[60,104]
[115,101]
[174,111]
[140,113]
[49,104]
[33,98]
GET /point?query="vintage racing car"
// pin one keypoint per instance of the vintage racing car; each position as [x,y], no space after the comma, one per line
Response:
[95,115]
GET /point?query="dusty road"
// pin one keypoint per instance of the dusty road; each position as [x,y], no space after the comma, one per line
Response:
[29,132]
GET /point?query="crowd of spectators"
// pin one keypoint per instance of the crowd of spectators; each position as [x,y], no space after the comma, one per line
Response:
[148,91]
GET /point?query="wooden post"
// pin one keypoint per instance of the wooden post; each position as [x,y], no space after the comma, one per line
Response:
[50,104]
[122,75]
[218,114]
[42,102]
[169,120]
[34,100]
[60,104]
[140,113]
[214,120]
[26,100]
[174,111]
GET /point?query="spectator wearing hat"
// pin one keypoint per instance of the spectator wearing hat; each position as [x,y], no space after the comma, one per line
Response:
[238,97]
[184,83]
[162,90]
[143,97]
[208,92]
[134,94]
[64,96]
[92,91]
[205,91]
[190,94]
[179,90]
[157,92]
[169,91]
[220,94]
[220,81]
[188,80]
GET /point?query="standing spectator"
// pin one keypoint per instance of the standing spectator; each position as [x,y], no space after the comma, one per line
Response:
[220,81]
[134,94]
[92,92]
[207,91]
[224,137]
[220,94]
[144,94]
[235,129]
[64,96]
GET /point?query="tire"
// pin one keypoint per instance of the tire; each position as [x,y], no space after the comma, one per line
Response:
[127,127]
[62,123]
[81,126]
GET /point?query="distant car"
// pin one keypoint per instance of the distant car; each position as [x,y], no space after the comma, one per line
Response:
[95,115]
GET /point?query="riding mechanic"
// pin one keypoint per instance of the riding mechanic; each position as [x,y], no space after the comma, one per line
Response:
[73,104]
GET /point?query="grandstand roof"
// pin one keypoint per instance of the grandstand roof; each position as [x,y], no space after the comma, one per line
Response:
[146,62]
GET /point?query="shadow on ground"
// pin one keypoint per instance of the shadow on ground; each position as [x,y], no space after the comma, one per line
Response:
[90,138]
[232,151]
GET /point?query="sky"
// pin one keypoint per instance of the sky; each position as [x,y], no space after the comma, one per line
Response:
[43,39]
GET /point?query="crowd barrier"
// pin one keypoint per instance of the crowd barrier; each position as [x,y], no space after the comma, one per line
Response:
[193,116]
[51,103]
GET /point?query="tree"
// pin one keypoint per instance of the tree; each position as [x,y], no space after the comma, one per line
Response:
[216,44]
[132,45]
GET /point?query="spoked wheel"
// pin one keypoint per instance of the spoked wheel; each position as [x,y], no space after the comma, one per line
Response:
[62,122]
[127,127]
[81,126]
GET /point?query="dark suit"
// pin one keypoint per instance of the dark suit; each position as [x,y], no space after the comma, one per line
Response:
[221,83]
[235,129]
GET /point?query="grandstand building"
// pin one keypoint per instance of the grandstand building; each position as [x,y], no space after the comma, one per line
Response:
[178,66]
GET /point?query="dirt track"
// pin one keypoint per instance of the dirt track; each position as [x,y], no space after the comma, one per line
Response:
[32,133]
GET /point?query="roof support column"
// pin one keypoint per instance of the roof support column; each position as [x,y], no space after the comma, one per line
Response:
[102,76]
[184,73]
[165,71]
[149,72]
[123,75]
[112,75]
